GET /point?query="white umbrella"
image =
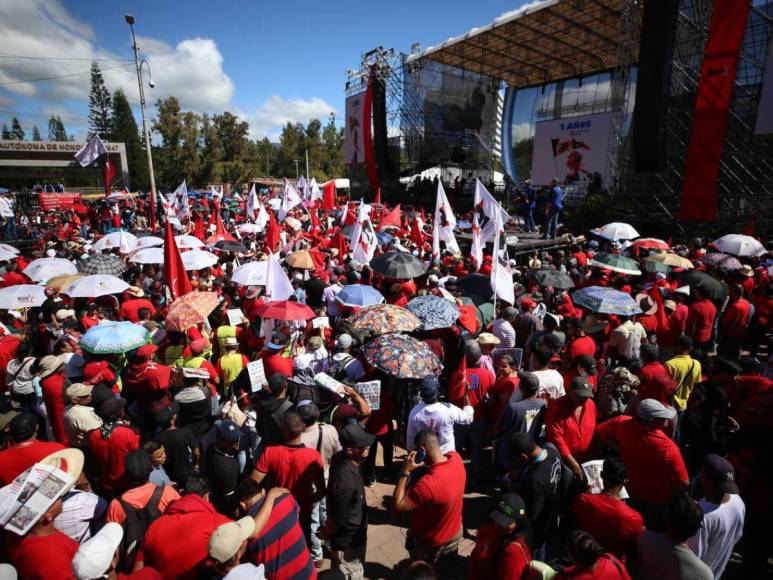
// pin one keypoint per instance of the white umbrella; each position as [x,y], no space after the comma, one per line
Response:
[616,231]
[94,286]
[250,228]
[251,274]
[9,248]
[148,256]
[186,242]
[149,242]
[5,255]
[44,269]
[124,241]
[739,245]
[198,259]
[22,296]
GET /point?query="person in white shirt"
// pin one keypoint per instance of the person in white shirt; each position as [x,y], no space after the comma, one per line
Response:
[723,515]
[503,329]
[626,339]
[551,382]
[329,296]
[436,416]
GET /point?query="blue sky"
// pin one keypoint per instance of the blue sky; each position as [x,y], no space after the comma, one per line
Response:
[267,61]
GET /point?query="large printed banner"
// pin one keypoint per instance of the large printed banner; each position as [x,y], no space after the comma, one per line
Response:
[49,201]
[570,150]
[765,110]
[354,149]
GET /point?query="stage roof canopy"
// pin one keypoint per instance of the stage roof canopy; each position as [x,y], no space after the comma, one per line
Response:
[540,42]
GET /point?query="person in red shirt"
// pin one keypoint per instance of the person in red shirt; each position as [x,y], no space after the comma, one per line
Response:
[571,422]
[111,443]
[647,318]
[8,345]
[734,324]
[700,319]
[501,550]
[500,392]
[745,277]
[12,277]
[146,382]
[24,450]
[176,544]
[590,561]
[294,466]
[673,327]
[654,380]
[51,372]
[579,343]
[91,317]
[131,306]
[434,501]
[44,553]
[655,465]
[606,516]
[273,361]
[583,366]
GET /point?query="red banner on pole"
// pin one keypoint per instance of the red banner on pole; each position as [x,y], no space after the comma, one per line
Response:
[49,201]
[367,132]
[715,92]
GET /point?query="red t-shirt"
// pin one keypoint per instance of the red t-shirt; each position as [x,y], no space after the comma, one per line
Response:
[499,396]
[53,397]
[570,435]
[13,279]
[656,383]
[8,345]
[490,560]
[700,320]
[616,526]
[480,381]
[735,319]
[110,453]
[438,499]
[17,459]
[580,346]
[42,557]
[176,544]
[130,309]
[607,567]
[655,465]
[275,363]
[295,467]
[746,386]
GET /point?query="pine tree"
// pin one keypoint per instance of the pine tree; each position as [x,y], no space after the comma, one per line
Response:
[56,130]
[99,104]
[123,129]
[16,129]
[7,136]
[36,133]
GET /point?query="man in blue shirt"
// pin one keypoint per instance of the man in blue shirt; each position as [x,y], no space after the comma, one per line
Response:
[555,206]
[530,203]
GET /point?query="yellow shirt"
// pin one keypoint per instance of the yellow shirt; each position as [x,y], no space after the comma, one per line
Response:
[230,365]
[686,372]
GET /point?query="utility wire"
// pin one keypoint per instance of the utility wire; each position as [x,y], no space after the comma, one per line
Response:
[9,55]
[51,78]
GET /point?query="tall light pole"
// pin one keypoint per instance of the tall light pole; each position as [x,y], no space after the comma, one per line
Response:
[307,164]
[130,21]
[297,175]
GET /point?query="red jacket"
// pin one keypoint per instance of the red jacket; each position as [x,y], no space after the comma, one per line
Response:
[570,435]
[53,397]
[656,383]
[110,453]
[735,319]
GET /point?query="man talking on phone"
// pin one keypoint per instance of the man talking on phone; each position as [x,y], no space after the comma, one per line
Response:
[434,502]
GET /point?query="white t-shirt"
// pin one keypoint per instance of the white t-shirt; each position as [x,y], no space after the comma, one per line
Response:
[720,531]
[505,332]
[551,386]
[627,339]
[440,418]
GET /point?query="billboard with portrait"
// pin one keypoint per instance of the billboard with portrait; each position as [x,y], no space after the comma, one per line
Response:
[354,149]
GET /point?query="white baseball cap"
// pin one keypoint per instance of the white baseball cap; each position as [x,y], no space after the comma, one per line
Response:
[226,540]
[93,558]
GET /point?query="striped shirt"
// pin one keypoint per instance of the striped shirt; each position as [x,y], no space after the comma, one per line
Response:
[505,332]
[281,547]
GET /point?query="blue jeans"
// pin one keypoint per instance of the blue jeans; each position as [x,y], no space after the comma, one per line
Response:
[528,219]
[318,519]
[551,224]
[10,229]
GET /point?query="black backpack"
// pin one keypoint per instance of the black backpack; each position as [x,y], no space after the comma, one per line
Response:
[136,524]
[337,368]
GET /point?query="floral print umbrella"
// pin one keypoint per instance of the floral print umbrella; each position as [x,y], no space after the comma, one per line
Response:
[434,311]
[721,261]
[384,318]
[606,300]
[402,356]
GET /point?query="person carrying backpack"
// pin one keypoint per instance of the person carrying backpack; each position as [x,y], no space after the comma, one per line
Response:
[139,507]
[271,404]
[343,365]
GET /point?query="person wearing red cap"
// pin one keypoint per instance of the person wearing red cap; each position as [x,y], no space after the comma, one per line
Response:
[196,360]
[526,322]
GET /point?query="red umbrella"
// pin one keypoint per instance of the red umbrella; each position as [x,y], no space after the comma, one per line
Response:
[650,244]
[285,310]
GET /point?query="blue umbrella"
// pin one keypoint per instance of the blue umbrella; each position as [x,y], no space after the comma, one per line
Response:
[384,238]
[434,311]
[114,338]
[606,301]
[359,295]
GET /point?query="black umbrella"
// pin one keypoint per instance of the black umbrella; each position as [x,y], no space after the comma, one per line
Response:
[549,277]
[231,246]
[476,285]
[398,265]
[102,264]
[715,289]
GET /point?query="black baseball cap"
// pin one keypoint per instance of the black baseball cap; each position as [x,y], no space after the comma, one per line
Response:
[582,387]
[529,380]
[720,472]
[22,426]
[587,362]
[511,510]
[228,431]
[355,437]
[428,391]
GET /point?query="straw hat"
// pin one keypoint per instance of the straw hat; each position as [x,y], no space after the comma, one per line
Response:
[49,364]
[70,461]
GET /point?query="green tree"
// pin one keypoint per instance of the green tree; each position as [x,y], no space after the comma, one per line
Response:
[123,129]
[265,157]
[333,151]
[36,133]
[99,104]
[56,131]
[233,135]
[291,143]
[16,129]
[211,151]
[168,124]
[7,136]
[189,145]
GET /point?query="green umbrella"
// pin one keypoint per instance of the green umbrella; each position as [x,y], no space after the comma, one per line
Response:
[616,263]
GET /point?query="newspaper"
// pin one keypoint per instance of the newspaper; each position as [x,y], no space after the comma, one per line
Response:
[321,322]
[592,471]
[325,381]
[257,375]
[371,392]
[30,495]
[235,316]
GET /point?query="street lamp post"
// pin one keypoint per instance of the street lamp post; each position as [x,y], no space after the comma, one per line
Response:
[297,175]
[130,21]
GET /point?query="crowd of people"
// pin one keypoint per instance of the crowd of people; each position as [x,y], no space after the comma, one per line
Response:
[605,445]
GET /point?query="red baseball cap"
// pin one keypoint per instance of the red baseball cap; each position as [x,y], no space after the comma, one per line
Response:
[147,351]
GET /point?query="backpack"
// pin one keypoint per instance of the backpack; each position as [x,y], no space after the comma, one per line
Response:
[337,368]
[268,425]
[136,524]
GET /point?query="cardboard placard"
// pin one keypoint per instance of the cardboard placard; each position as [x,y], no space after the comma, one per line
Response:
[371,392]
[257,375]
[321,322]
[516,353]
[235,316]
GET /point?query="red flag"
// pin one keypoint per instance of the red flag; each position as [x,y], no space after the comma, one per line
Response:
[109,175]
[315,225]
[339,242]
[198,228]
[272,232]
[416,236]
[749,226]
[423,217]
[351,217]
[175,276]
[657,297]
[391,219]
[329,195]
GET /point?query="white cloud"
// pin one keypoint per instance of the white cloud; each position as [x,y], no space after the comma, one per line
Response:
[276,111]
[192,70]
[521,131]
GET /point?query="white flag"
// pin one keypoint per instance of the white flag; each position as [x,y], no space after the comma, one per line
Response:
[218,195]
[303,187]
[180,199]
[344,213]
[363,241]
[278,286]
[444,224]
[484,209]
[316,192]
[290,199]
[252,203]
[91,151]
[501,274]
[262,220]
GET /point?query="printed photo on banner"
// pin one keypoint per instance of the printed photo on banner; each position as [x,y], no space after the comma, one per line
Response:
[371,392]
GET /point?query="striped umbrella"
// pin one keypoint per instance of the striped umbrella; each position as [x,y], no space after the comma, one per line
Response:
[108,264]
